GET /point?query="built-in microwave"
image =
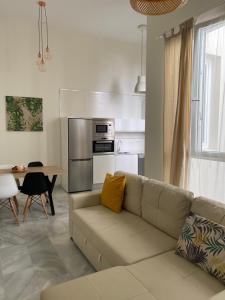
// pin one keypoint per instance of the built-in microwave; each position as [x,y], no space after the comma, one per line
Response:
[103,129]
[105,147]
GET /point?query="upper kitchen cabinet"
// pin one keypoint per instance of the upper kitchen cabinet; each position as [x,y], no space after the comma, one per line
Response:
[130,125]
[83,104]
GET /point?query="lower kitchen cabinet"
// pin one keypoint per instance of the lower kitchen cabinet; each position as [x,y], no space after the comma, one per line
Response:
[102,164]
[127,163]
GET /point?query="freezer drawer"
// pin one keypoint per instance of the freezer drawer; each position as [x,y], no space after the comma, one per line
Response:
[80,175]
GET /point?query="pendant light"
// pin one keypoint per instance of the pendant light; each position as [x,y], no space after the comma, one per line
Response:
[140,87]
[44,52]
[156,7]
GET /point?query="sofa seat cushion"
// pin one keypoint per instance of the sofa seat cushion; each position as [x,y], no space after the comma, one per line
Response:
[123,238]
[113,284]
[169,276]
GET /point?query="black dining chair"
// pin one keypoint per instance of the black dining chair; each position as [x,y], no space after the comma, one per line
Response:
[31,164]
[39,164]
[35,164]
[34,184]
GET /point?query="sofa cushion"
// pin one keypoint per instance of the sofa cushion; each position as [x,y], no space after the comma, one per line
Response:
[165,206]
[133,192]
[112,195]
[220,296]
[170,277]
[114,284]
[123,238]
[209,209]
[202,242]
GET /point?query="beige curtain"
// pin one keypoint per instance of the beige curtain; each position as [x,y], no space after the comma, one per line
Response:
[177,104]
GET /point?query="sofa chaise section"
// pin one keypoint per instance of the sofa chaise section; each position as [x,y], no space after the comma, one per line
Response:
[113,284]
[170,277]
[164,277]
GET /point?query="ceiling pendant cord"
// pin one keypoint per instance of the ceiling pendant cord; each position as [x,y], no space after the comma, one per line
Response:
[47,36]
[42,43]
[142,48]
[39,37]
[43,37]
[140,86]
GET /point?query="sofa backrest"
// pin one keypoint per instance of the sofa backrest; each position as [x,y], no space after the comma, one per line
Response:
[133,192]
[165,206]
[209,209]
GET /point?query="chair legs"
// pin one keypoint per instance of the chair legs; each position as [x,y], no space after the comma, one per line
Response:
[26,207]
[30,201]
[43,201]
[14,208]
[16,203]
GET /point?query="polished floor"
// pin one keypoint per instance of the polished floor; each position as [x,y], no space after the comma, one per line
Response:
[39,252]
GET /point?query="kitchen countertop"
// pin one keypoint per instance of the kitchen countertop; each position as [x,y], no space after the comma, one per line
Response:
[119,153]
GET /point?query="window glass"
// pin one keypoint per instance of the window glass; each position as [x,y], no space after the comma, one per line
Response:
[208,107]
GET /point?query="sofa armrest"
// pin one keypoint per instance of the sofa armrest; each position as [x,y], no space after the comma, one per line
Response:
[82,200]
[220,296]
[85,199]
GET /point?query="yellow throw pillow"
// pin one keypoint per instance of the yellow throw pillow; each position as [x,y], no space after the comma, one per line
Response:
[113,192]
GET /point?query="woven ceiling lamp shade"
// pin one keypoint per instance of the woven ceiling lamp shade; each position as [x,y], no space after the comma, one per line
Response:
[156,7]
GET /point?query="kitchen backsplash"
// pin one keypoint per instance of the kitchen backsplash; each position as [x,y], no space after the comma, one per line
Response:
[131,145]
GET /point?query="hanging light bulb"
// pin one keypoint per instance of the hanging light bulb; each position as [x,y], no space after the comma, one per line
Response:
[44,52]
[38,61]
[140,87]
[42,67]
[47,54]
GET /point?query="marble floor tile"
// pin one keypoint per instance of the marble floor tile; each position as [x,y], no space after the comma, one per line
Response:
[74,260]
[39,252]
[14,259]
[21,285]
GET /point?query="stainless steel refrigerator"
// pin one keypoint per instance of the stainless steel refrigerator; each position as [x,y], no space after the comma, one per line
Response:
[78,133]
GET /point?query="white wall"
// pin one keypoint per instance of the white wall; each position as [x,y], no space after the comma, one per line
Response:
[155,80]
[79,61]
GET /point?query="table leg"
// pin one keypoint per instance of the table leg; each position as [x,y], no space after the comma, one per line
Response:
[50,190]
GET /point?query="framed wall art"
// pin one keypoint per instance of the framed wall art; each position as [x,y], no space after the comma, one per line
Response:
[24,114]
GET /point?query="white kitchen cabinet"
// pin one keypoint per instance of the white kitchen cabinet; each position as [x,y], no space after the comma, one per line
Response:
[127,163]
[130,125]
[102,164]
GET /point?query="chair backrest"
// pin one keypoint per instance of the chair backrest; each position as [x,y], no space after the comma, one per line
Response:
[8,186]
[35,164]
[34,184]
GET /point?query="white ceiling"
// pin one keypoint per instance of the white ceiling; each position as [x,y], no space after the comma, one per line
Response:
[108,18]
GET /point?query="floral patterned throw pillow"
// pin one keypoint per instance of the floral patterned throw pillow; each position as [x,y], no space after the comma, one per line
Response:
[202,242]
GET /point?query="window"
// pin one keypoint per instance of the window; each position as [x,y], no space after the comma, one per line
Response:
[208,104]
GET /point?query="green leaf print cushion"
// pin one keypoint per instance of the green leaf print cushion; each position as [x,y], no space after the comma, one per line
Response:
[202,242]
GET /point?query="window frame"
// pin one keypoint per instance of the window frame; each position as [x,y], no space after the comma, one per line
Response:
[197,106]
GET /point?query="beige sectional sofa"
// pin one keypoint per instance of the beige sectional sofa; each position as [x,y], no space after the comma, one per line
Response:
[136,247]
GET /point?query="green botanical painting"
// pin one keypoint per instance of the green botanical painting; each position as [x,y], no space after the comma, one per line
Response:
[24,114]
